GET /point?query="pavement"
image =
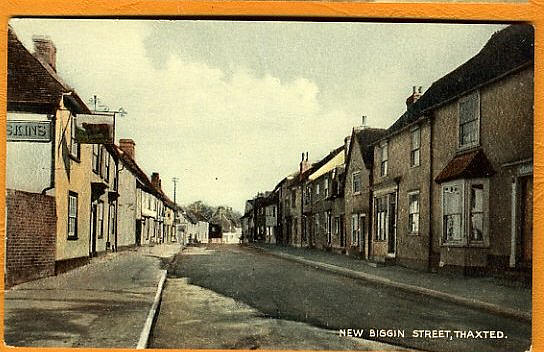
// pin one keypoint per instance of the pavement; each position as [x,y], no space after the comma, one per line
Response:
[485,293]
[288,300]
[103,304]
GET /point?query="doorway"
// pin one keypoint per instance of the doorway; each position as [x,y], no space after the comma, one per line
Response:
[94,211]
[392,225]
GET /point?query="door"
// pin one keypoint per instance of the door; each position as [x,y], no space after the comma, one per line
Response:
[342,232]
[94,212]
[362,232]
[138,239]
[392,224]
[526,221]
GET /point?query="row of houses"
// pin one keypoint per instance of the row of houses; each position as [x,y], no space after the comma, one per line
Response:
[68,201]
[447,187]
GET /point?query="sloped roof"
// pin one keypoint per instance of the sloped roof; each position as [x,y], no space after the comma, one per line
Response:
[506,51]
[472,164]
[337,160]
[33,82]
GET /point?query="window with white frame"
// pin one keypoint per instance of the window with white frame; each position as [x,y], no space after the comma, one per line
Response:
[107,167]
[72,215]
[413,212]
[112,221]
[354,229]
[469,120]
[101,161]
[384,158]
[415,149]
[337,225]
[308,197]
[74,144]
[356,182]
[476,215]
[381,218]
[96,158]
[100,217]
[452,212]
[326,187]
[317,188]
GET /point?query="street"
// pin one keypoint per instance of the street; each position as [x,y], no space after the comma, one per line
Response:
[279,290]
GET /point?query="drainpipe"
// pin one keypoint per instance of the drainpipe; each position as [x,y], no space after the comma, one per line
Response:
[53,139]
[430,245]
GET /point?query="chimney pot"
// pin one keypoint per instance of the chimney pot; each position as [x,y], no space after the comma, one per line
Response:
[45,50]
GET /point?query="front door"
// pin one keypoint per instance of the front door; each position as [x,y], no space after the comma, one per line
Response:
[138,234]
[392,225]
[94,207]
[526,221]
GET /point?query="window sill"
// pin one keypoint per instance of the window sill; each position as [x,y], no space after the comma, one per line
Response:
[72,238]
[464,148]
[379,240]
[415,166]
[357,193]
[413,233]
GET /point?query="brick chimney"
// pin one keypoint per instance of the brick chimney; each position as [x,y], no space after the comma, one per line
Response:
[416,94]
[127,146]
[347,142]
[304,164]
[156,180]
[45,50]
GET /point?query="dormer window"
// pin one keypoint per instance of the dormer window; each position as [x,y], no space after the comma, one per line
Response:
[469,120]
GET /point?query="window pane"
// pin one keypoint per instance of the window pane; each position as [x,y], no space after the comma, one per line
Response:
[452,227]
[415,139]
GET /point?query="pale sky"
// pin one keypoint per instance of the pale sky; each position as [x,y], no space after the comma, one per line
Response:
[229,106]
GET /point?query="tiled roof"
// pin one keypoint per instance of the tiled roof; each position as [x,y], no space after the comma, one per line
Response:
[472,164]
[33,82]
[506,50]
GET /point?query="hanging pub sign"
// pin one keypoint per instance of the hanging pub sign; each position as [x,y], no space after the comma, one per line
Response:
[95,128]
[28,131]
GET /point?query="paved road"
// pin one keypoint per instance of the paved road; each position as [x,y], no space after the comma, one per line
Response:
[284,290]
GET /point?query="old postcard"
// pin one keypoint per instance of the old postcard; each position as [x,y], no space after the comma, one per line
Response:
[246,184]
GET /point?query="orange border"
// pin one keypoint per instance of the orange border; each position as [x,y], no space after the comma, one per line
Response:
[532,11]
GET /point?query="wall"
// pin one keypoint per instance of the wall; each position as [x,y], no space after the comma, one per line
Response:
[126,225]
[357,203]
[30,236]
[71,175]
[28,164]
[506,136]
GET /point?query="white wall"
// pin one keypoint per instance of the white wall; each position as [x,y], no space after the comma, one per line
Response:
[127,206]
[28,164]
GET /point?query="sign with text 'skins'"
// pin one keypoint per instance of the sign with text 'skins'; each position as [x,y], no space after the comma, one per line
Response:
[28,131]
[95,128]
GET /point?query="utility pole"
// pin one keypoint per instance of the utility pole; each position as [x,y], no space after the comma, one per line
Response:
[175,180]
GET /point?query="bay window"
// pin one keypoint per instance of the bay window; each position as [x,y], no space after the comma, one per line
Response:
[464,212]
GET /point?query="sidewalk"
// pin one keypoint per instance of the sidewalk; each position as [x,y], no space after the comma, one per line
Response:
[102,304]
[476,292]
